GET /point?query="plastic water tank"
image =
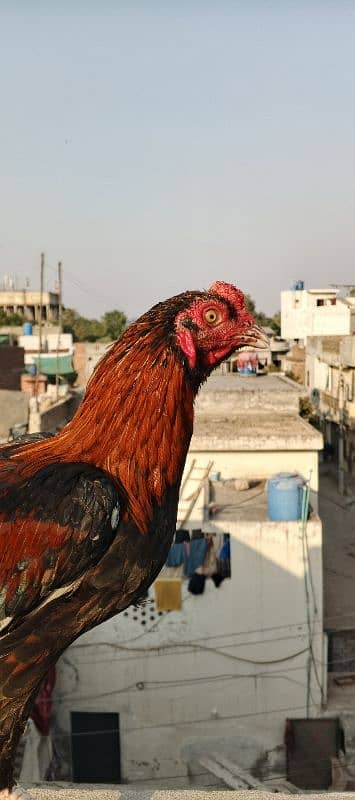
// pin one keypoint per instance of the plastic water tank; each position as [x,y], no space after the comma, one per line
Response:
[27,328]
[284,496]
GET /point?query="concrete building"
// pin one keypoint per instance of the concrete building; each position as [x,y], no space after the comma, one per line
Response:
[11,367]
[293,363]
[14,412]
[330,381]
[28,303]
[86,357]
[223,671]
[316,312]
[56,355]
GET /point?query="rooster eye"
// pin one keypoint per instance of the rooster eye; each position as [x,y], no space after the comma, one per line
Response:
[211,316]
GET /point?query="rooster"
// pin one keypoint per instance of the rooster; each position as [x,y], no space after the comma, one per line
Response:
[87,517]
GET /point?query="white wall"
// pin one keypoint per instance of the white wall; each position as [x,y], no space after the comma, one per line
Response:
[301,317]
[325,377]
[221,674]
[259,465]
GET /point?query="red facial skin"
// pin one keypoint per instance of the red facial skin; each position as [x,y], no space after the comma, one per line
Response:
[211,329]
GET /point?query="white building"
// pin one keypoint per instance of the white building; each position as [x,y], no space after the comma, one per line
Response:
[316,312]
[330,380]
[57,351]
[222,673]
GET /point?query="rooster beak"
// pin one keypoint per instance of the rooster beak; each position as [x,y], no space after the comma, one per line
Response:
[254,338]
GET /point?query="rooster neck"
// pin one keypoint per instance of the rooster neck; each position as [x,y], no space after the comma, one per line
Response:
[135,423]
[143,425]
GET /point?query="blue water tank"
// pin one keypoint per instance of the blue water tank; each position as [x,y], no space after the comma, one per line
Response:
[298,286]
[284,496]
[27,328]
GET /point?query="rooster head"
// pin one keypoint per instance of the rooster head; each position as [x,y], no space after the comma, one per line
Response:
[214,325]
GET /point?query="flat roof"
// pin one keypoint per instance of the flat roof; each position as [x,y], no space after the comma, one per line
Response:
[233,382]
[322,291]
[254,432]
[77,791]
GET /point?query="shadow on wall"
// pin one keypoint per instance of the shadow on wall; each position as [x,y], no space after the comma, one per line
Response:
[14,408]
[227,669]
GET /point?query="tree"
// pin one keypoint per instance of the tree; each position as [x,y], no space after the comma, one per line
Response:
[275,323]
[109,327]
[11,319]
[261,318]
[114,323]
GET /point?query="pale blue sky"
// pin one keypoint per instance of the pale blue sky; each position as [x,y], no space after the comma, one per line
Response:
[158,146]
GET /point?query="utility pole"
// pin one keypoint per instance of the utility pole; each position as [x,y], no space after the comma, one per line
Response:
[341,395]
[40,340]
[60,300]
[41,309]
[60,324]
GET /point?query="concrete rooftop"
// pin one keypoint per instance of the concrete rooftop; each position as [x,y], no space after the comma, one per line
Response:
[248,505]
[233,382]
[78,792]
[236,394]
[254,432]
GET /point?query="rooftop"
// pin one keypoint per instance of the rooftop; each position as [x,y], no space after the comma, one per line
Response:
[232,382]
[228,502]
[254,432]
[232,394]
[50,791]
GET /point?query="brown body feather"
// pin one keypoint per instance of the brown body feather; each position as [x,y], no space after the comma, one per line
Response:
[66,565]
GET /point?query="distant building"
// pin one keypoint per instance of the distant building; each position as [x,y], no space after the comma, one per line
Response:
[86,356]
[223,670]
[57,352]
[28,303]
[11,367]
[330,380]
[293,363]
[316,312]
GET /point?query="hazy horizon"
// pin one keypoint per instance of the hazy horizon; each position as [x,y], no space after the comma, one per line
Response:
[154,148]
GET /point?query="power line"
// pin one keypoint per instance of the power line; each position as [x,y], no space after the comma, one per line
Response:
[180,645]
[139,686]
[327,618]
[188,643]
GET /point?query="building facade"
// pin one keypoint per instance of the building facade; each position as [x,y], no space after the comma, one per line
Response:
[86,356]
[30,304]
[330,381]
[316,312]
[222,669]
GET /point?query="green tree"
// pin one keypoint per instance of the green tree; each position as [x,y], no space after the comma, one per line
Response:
[109,327]
[259,316]
[275,323]
[114,323]
[249,304]
[11,319]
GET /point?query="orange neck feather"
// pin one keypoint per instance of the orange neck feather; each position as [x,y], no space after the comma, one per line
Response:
[135,422]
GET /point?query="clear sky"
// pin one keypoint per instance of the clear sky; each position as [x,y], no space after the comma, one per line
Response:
[158,145]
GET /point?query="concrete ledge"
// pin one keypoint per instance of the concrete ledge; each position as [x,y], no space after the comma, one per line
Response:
[56,791]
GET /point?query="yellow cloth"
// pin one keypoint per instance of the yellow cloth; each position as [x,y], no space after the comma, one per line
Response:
[168,594]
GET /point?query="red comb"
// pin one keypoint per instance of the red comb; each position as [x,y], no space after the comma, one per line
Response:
[229,292]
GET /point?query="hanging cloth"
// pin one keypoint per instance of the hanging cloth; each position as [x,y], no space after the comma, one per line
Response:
[168,596]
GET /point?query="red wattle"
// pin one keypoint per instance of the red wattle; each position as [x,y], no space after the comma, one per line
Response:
[186,342]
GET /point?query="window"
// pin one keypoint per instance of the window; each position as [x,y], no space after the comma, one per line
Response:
[320,301]
[95,747]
